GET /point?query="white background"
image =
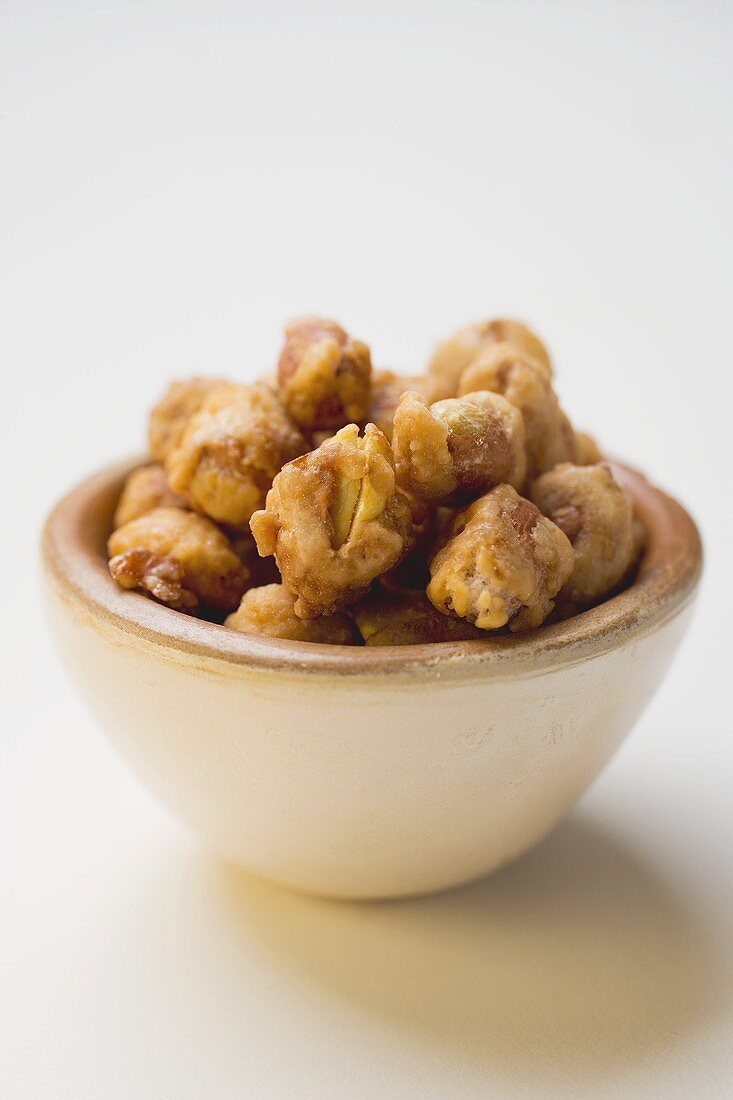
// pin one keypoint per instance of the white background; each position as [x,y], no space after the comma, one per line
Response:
[175,181]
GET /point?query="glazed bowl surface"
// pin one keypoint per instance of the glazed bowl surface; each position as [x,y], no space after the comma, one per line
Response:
[364,772]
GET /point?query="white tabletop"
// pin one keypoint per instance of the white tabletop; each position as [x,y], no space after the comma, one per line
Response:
[176,181]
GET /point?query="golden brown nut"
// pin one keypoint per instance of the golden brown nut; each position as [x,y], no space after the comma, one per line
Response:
[174,410]
[504,563]
[179,558]
[549,436]
[587,451]
[334,521]
[269,610]
[598,518]
[456,449]
[454,355]
[230,451]
[145,488]
[324,375]
[407,618]
[387,389]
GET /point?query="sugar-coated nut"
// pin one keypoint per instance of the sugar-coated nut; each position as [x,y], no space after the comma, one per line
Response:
[549,436]
[178,557]
[334,521]
[230,451]
[504,563]
[145,488]
[387,389]
[598,517]
[457,449]
[386,617]
[324,375]
[454,355]
[269,610]
[422,459]
[272,487]
[178,404]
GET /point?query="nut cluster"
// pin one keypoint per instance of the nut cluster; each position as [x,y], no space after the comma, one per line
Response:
[344,505]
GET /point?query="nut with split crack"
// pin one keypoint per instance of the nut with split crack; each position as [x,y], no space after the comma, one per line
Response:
[335,520]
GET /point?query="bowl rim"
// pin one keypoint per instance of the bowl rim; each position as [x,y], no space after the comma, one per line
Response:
[74,564]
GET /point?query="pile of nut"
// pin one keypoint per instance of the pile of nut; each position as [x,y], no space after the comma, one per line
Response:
[346,505]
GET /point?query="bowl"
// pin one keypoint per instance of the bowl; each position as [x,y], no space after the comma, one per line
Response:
[364,772]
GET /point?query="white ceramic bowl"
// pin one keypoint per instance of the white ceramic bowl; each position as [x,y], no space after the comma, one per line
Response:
[368,772]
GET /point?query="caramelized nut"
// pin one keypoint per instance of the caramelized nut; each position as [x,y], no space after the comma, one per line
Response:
[300,497]
[324,375]
[387,389]
[230,451]
[269,610]
[548,434]
[598,517]
[407,618]
[334,521]
[162,578]
[179,558]
[457,449]
[145,488]
[454,355]
[174,410]
[504,563]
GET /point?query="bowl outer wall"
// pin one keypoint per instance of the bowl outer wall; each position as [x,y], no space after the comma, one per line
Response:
[369,784]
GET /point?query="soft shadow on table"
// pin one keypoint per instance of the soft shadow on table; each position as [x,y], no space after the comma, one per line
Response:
[575,960]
